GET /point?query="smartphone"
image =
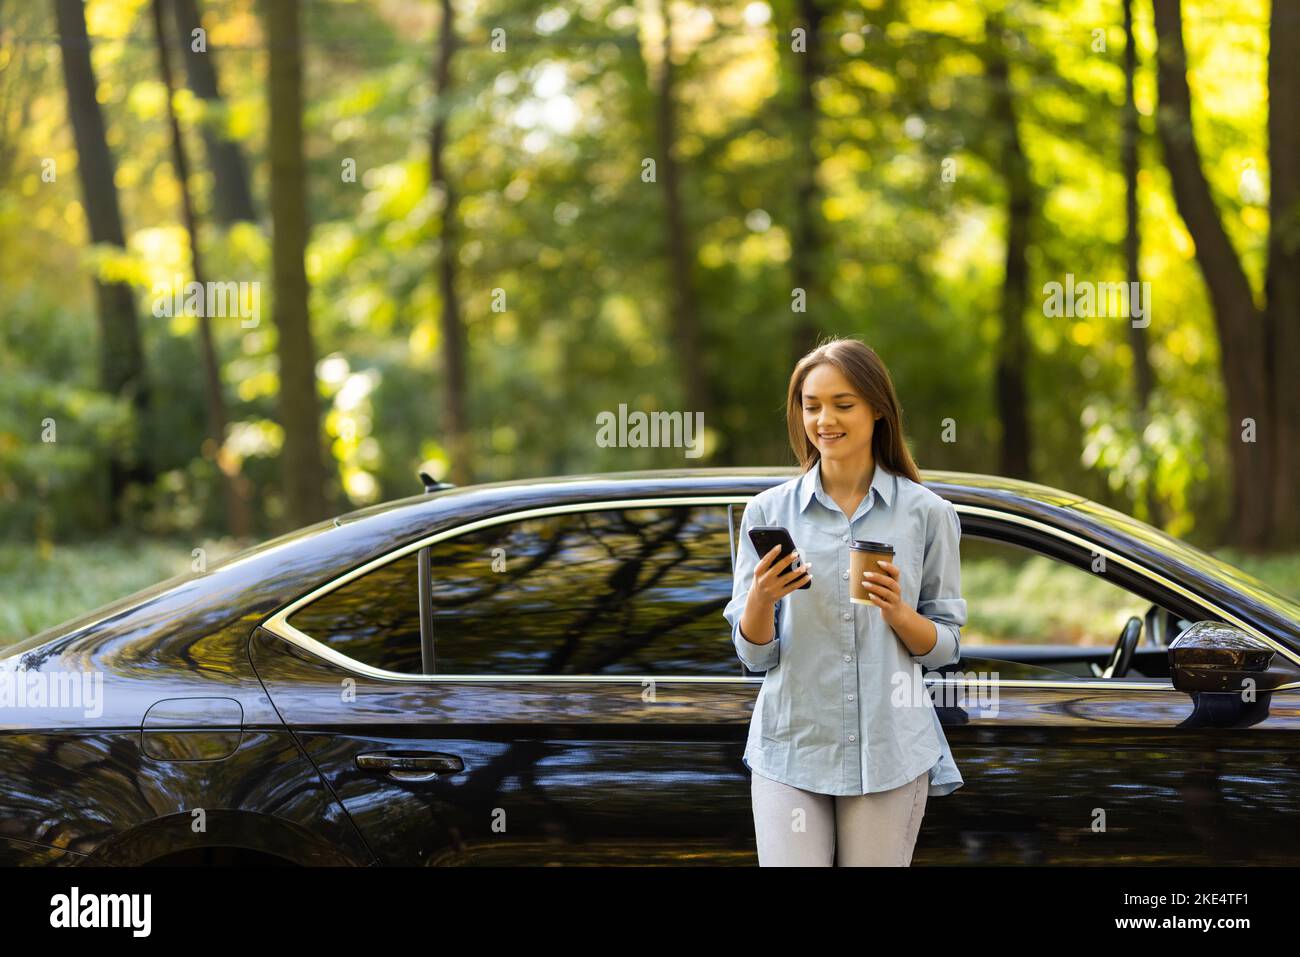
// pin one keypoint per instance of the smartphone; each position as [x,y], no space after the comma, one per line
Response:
[767,537]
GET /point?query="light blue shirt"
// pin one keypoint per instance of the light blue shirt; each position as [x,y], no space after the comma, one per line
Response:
[843,707]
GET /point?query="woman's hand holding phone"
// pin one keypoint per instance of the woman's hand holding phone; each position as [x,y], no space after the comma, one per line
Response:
[774,579]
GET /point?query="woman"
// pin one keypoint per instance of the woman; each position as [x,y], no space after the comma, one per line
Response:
[845,745]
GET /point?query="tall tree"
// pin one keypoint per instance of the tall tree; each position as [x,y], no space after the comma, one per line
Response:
[455,417]
[233,199]
[12,73]
[1283,281]
[807,252]
[1011,391]
[1242,345]
[238,519]
[682,301]
[304,469]
[1143,374]
[122,367]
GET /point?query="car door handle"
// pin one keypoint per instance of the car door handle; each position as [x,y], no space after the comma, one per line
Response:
[411,765]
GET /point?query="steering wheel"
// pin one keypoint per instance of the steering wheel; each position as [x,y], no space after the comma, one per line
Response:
[1122,656]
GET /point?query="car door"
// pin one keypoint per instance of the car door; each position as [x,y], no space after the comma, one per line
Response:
[1063,767]
[584,704]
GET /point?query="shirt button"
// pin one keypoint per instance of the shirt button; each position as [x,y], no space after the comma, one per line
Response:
[848,615]
[848,657]
[853,737]
[850,697]
[845,575]
[844,538]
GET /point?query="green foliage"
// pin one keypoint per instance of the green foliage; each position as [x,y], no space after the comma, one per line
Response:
[55,427]
[545,146]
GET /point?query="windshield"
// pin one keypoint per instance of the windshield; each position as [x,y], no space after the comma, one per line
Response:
[1193,557]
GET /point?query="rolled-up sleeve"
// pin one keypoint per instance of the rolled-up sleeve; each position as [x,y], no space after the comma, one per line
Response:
[940,593]
[755,657]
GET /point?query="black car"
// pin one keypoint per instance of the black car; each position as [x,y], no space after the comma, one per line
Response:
[538,672]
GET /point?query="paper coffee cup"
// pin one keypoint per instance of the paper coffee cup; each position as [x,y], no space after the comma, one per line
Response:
[863,556]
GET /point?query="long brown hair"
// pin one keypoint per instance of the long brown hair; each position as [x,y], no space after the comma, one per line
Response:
[868,375]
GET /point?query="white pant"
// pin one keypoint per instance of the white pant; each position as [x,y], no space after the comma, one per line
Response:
[798,828]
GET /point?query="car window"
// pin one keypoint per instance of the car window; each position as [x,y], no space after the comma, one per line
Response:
[606,592]
[618,591]
[1040,612]
[373,619]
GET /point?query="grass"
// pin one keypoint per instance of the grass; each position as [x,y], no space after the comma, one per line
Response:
[43,587]
[1012,597]
[1281,572]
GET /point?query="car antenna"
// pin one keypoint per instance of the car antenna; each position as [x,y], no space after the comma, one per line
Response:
[431,484]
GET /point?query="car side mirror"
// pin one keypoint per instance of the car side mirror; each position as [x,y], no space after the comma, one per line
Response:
[1214,656]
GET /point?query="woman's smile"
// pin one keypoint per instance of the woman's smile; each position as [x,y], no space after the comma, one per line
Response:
[838,420]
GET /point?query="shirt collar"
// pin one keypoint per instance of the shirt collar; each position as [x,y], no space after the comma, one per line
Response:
[883,483]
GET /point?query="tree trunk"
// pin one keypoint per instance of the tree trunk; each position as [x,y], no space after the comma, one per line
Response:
[232,198]
[455,418]
[685,329]
[1240,325]
[1283,283]
[807,252]
[1143,374]
[1013,342]
[122,369]
[238,520]
[304,470]
[23,91]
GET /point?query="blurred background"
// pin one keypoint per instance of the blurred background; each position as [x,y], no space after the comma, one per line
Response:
[461,231]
